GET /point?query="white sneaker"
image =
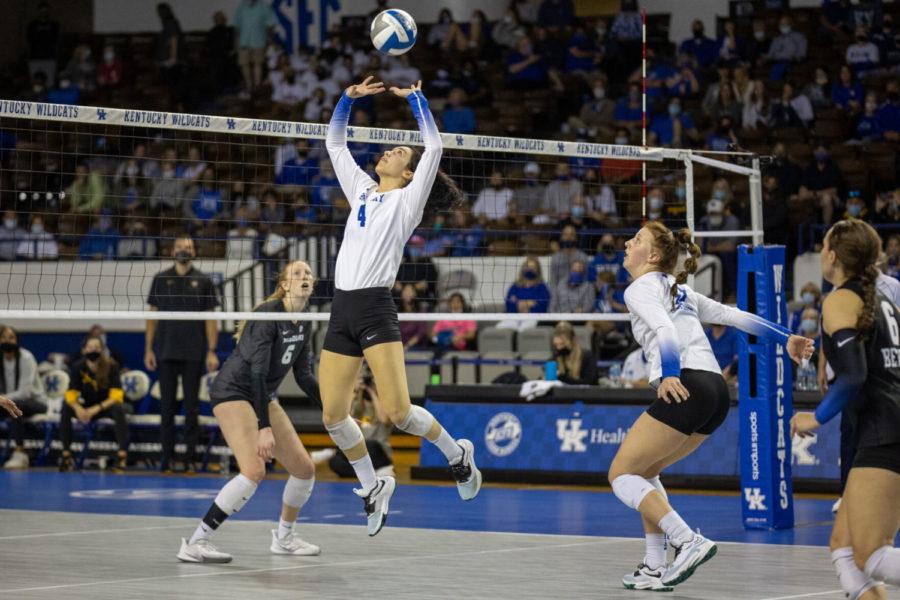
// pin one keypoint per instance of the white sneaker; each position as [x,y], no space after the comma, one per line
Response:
[466,474]
[292,544]
[376,503]
[322,456]
[646,578]
[201,551]
[18,460]
[836,506]
[687,558]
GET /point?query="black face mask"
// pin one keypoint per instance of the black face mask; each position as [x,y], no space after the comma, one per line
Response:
[7,347]
[183,257]
[92,355]
[563,351]
[607,248]
[567,244]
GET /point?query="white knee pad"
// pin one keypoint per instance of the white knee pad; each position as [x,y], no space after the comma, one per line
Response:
[854,582]
[346,434]
[235,494]
[655,482]
[631,489]
[418,421]
[884,565]
[297,491]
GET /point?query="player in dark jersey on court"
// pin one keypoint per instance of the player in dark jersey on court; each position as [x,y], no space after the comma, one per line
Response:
[861,340]
[255,426]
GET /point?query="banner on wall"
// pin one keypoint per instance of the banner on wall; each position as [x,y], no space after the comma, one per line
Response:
[585,437]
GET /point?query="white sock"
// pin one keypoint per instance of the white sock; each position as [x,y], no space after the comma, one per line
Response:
[655,556]
[449,447]
[365,472]
[884,565]
[853,581]
[284,528]
[678,531]
[203,532]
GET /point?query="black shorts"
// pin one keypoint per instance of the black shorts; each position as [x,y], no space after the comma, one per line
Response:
[360,319]
[878,457]
[703,411]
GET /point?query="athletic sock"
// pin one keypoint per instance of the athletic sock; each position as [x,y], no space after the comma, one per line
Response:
[231,498]
[678,531]
[285,528]
[884,565]
[655,556]
[854,582]
[365,472]
[203,532]
[446,444]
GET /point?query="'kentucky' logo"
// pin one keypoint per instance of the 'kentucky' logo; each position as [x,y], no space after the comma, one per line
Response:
[755,499]
[570,433]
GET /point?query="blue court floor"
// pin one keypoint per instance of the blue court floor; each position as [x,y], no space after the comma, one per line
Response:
[532,511]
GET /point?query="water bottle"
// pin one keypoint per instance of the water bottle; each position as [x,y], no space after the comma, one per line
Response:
[550,370]
[615,374]
[800,383]
[224,463]
[812,374]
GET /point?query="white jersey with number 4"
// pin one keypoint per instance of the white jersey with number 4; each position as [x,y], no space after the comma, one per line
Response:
[380,223]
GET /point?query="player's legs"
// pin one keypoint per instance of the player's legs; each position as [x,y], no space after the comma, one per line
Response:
[873,496]
[856,584]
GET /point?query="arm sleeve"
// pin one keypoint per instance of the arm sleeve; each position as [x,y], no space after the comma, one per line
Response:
[426,171]
[303,375]
[27,370]
[715,313]
[850,374]
[644,301]
[349,175]
[258,338]
[115,383]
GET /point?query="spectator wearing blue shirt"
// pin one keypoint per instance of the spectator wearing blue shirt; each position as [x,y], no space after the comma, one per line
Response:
[867,127]
[607,260]
[529,294]
[204,204]
[723,138]
[888,114]
[811,297]
[65,93]
[556,13]
[659,75]
[847,92]
[457,117]
[732,49]
[525,68]
[704,49]
[724,343]
[675,128]
[101,242]
[326,190]
[863,55]
[582,54]
[628,109]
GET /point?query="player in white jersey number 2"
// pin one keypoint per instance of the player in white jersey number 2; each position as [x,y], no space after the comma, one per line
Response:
[693,399]
[383,215]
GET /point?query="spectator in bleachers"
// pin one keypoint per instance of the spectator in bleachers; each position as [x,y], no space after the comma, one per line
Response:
[576,294]
[242,238]
[659,73]
[167,192]
[194,166]
[567,253]
[136,243]
[138,165]
[455,335]
[757,109]
[791,109]
[11,235]
[675,128]
[724,343]
[834,17]
[87,192]
[685,83]
[886,40]
[220,49]
[888,114]
[725,248]
[509,28]
[525,68]
[440,86]
[574,365]
[43,44]
[713,91]
[413,334]
[441,33]
[253,21]
[582,54]
[862,56]
[288,92]
[731,48]
[703,48]
[401,72]
[95,391]
[312,111]
[809,327]
[887,207]
[272,211]
[81,70]
[295,164]
[582,220]
[38,91]
[723,138]
[204,204]
[811,297]
[786,172]
[101,242]
[758,46]
[867,128]
[847,92]
[21,383]
[628,111]
[775,209]
[529,293]
[465,241]
[39,244]
[493,201]
[111,70]
[599,201]
[608,259]
[556,13]
[726,104]
[456,116]
[529,195]
[561,193]
[419,270]
[892,255]
[626,26]
[855,207]
[820,184]
[635,370]
[170,52]
[819,90]
[788,48]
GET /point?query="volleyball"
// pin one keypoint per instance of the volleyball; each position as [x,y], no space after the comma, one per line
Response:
[393,32]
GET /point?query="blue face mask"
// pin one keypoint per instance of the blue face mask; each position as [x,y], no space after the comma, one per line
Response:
[809,325]
[680,193]
[576,278]
[719,194]
[809,298]
[529,274]
[414,252]
[854,210]
[577,211]
[674,110]
[242,222]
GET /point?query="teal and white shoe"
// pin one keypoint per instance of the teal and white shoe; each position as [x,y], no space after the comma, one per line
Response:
[645,578]
[687,558]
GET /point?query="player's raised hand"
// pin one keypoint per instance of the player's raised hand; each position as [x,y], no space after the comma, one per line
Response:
[800,348]
[366,88]
[404,92]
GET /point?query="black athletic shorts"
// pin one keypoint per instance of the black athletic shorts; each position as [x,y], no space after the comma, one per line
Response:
[360,319]
[878,457]
[703,411]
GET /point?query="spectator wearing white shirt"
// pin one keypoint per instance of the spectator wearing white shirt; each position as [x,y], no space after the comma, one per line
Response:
[863,55]
[600,200]
[400,73]
[635,370]
[493,201]
[288,92]
[314,106]
[39,244]
[11,235]
[195,165]
[242,239]
[788,45]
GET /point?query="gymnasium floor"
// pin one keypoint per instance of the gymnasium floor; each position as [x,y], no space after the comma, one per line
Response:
[93,535]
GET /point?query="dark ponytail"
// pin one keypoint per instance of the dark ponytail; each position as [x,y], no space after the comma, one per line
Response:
[858,247]
[686,246]
[671,246]
[867,319]
[445,194]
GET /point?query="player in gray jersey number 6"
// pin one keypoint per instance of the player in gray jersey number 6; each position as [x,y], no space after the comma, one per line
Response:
[383,215]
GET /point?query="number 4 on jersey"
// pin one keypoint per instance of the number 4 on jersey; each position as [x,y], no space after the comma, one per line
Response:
[361,215]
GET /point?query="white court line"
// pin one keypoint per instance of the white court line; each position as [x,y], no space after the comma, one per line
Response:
[299,567]
[810,595]
[95,531]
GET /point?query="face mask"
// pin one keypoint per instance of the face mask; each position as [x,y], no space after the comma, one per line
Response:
[622,141]
[656,202]
[9,223]
[64,84]
[562,177]
[809,298]
[716,220]
[529,274]
[654,215]
[92,356]
[438,226]
[599,93]
[37,228]
[871,106]
[759,35]
[821,157]
[822,80]
[680,192]
[698,33]
[861,39]
[577,211]
[563,351]
[38,89]
[414,253]
[567,244]
[576,278]
[784,29]
[809,325]
[242,222]
[601,31]
[674,110]
[109,56]
[105,224]
[854,210]
[183,257]
[719,194]
[7,347]
[607,248]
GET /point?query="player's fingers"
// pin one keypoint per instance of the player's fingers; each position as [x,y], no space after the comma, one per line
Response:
[368,79]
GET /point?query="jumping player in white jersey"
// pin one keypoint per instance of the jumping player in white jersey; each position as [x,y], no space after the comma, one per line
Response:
[255,425]
[364,321]
[693,399]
